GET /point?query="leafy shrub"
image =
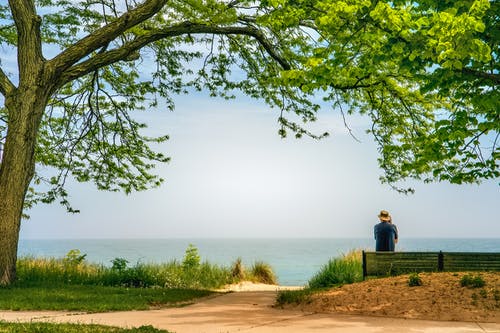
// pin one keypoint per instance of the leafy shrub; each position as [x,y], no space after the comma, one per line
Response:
[472,281]
[414,280]
[263,273]
[74,258]
[119,264]
[344,270]
[191,258]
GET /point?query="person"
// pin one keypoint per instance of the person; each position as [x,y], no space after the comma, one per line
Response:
[386,233]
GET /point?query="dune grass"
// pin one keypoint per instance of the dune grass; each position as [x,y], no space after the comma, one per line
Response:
[338,271]
[71,328]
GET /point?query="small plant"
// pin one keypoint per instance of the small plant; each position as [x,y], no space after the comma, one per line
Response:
[191,258]
[119,264]
[302,296]
[483,293]
[472,281]
[74,258]
[414,280]
[262,272]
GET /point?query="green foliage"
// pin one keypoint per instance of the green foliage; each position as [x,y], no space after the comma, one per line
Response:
[262,273]
[119,264]
[472,281]
[51,271]
[191,258]
[74,258]
[344,270]
[414,280]
[34,327]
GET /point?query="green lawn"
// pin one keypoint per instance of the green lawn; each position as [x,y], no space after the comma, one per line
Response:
[70,328]
[94,298]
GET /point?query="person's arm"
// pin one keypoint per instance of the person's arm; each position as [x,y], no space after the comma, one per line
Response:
[395,233]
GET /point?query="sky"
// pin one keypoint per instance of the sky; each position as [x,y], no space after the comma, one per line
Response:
[232,176]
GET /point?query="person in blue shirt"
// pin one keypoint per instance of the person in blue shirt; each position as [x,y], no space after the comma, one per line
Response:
[386,233]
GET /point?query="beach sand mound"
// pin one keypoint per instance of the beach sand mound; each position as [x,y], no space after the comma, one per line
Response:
[440,297]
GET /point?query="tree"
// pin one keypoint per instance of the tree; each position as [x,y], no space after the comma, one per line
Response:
[80,73]
[425,72]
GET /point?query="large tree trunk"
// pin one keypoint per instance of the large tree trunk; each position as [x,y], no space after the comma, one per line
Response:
[25,108]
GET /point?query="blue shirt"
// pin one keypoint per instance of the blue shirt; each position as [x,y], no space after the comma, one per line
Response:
[385,233]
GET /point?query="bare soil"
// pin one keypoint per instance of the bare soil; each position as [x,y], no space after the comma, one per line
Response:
[440,297]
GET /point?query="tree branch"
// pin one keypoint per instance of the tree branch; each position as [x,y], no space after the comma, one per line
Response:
[6,86]
[488,76]
[123,52]
[29,41]
[105,35]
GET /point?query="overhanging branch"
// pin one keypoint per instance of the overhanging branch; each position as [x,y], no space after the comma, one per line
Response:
[105,35]
[123,52]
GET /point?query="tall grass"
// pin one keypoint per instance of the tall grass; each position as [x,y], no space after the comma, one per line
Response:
[36,271]
[190,273]
[344,270]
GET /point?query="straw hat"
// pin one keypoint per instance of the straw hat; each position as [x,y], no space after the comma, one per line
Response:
[384,216]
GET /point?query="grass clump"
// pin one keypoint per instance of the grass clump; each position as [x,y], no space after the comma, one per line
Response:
[71,328]
[302,296]
[262,273]
[344,270]
[472,281]
[414,280]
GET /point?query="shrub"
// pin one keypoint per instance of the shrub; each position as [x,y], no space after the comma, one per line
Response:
[263,273]
[191,258]
[119,264]
[344,270]
[414,280]
[472,281]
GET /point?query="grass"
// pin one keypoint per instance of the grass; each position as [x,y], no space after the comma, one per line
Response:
[71,328]
[71,283]
[94,298]
[344,270]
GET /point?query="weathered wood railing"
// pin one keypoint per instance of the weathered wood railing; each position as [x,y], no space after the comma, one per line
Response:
[394,263]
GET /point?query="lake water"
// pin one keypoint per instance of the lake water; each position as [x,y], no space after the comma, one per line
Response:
[294,261]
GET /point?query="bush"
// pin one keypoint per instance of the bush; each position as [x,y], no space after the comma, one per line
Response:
[344,270]
[414,280]
[191,258]
[472,281]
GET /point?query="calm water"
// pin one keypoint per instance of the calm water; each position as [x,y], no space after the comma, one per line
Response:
[295,261]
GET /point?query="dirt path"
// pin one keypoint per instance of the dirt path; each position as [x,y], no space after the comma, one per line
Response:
[251,311]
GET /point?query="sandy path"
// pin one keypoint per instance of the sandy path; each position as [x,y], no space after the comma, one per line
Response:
[251,311]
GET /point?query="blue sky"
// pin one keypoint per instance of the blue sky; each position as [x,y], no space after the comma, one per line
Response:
[231,175]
